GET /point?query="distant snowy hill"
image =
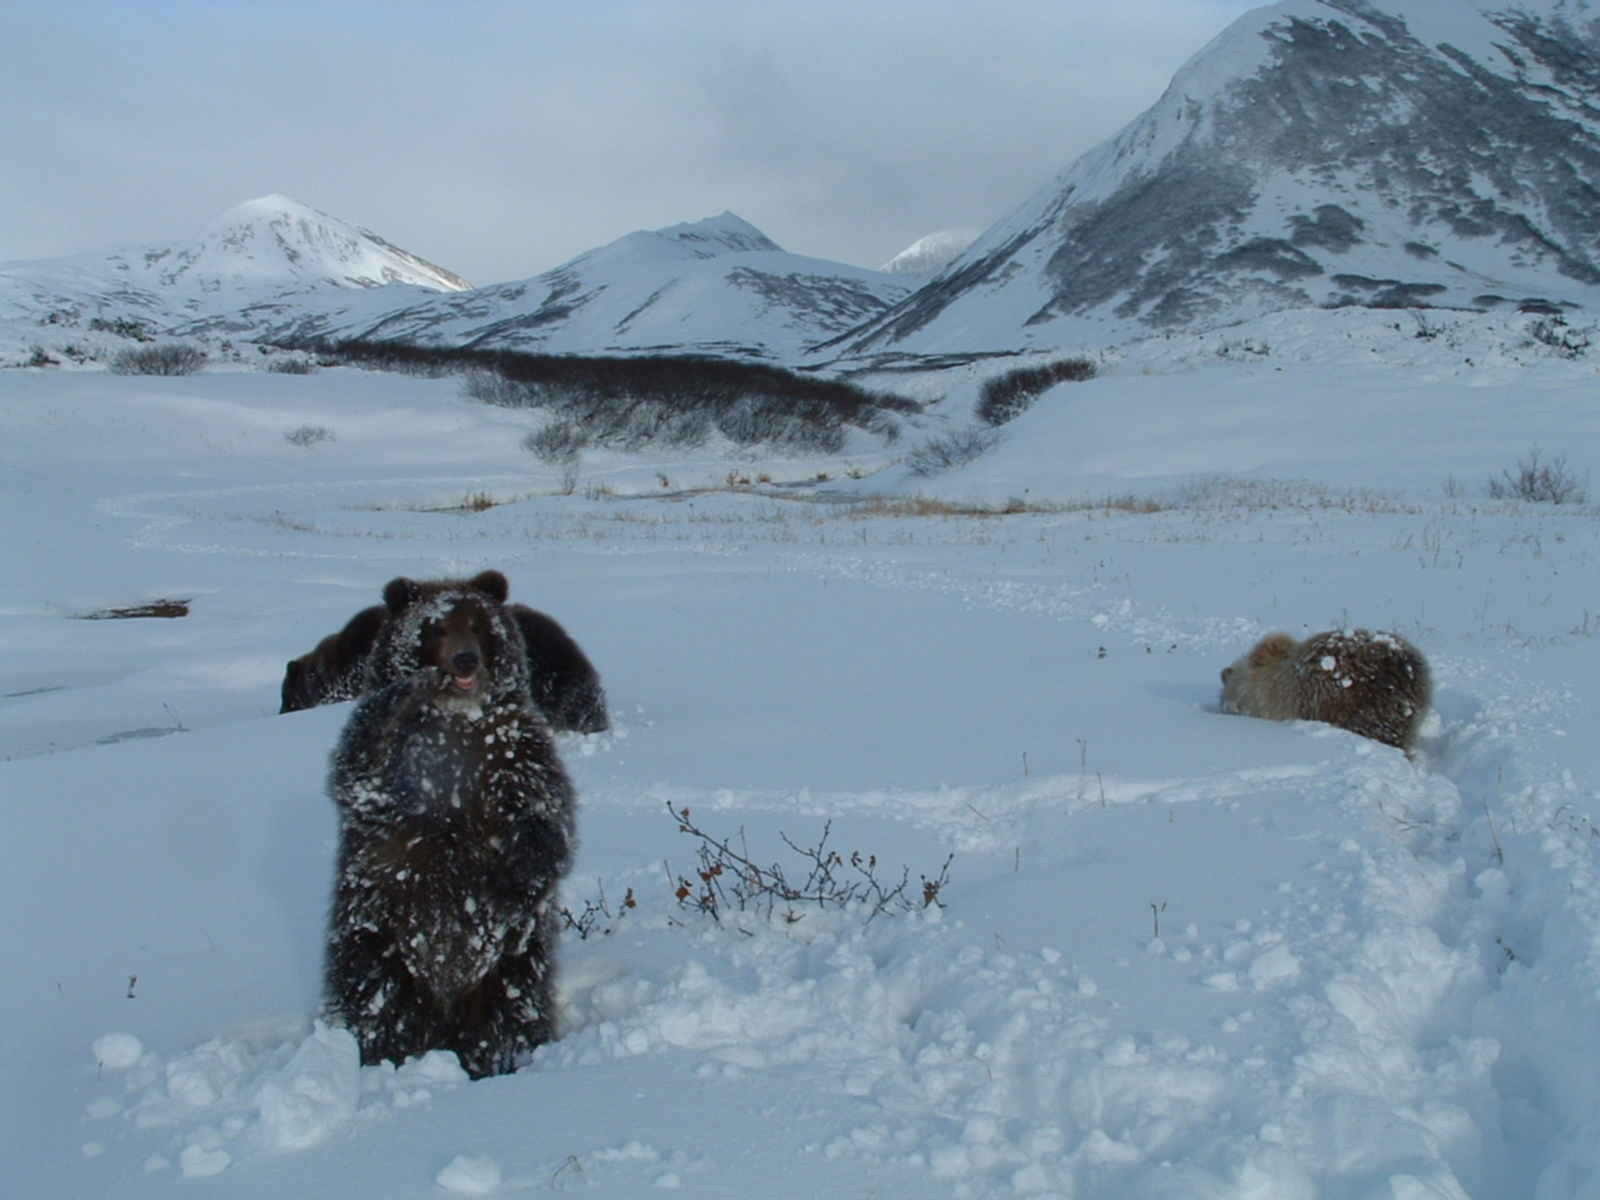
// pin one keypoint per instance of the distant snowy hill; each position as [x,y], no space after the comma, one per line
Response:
[272,251]
[927,256]
[716,286]
[277,243]
[1317,152]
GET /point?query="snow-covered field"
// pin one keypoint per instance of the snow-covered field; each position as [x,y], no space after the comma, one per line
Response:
[1179,955]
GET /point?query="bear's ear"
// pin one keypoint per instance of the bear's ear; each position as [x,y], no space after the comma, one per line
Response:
[1271,648]
[492,584]
[400,593]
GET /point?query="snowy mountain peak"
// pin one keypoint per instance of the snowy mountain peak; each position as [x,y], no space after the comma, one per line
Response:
[265,256]
[929,255]
[276,237]
[275,206]
[722,234]
[713,237]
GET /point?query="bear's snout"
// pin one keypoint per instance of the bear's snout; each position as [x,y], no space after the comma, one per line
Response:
[464,662]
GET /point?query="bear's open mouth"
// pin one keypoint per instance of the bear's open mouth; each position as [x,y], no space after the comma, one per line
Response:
[465,683]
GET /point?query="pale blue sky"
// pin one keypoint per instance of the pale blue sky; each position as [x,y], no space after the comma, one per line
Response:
[499,139]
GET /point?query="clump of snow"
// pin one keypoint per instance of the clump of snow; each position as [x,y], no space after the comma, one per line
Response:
[198,1161]
[315,1094]
[117,1051]
[470,1175]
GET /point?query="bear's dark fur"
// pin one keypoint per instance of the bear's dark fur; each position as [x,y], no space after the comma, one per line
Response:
[456,824]
[1376,684]
[566,687]
[336,668]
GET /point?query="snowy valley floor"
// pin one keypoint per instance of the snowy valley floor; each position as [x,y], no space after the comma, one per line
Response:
[1179,954]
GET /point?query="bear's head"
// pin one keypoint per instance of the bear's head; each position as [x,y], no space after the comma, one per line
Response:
[459,629]
[301,684]
[1247,672]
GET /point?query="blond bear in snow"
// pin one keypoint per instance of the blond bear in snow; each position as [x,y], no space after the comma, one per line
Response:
[1374,684]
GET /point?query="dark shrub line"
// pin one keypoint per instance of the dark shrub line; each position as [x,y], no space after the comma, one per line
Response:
[171,358]
[1008,396]
[629,402]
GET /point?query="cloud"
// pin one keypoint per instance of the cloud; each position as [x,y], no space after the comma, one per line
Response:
[500,139]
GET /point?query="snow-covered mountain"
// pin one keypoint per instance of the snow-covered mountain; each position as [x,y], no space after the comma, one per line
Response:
[281,244]
[1317,152]
[269,251]
[929,255]
[716,286]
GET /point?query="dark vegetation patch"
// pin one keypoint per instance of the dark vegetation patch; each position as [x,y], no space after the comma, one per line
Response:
[948,451]
[1540,480]
[1271,255]
[308,435]
[171,358]
[124,327]
[1331,228]
[1554,332]
[628,402]
[153,608]
[33,691]
[1363,291]
[1005,397]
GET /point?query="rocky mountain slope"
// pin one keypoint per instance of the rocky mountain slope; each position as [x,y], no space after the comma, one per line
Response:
[1316,153]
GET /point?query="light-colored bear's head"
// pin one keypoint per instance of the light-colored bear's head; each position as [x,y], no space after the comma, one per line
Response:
[1244,677]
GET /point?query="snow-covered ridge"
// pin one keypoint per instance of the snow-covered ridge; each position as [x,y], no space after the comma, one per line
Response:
[1316,153]
[275,270]
[717,286]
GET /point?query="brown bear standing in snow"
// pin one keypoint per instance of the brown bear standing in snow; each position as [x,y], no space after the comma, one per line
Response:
[565,685]
[456,824]
[1374,684]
